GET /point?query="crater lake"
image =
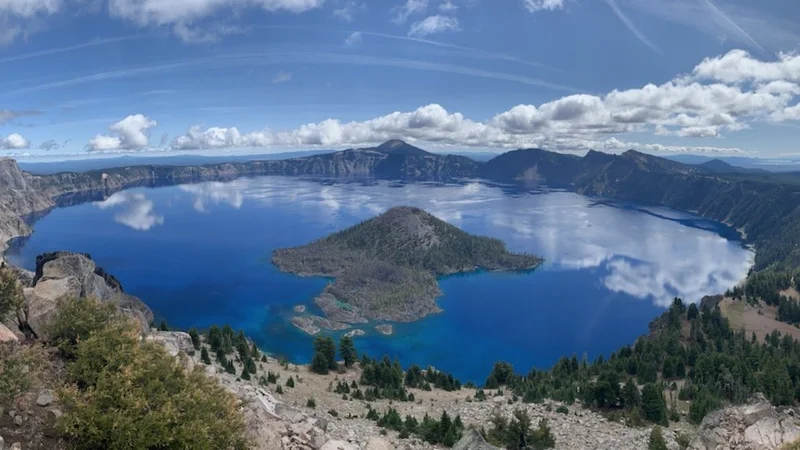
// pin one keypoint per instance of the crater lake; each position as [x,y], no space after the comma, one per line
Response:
[199,255]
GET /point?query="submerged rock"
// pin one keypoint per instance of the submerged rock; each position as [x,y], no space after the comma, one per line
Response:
[314,324]
[385,329]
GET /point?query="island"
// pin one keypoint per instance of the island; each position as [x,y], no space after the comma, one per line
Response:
[385,268]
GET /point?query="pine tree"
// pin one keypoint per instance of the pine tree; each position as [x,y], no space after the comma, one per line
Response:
[195,338]
[347,350]
[290,382]
[654,406]
[319,363]
[630,395]
[656,441]
[204,356]
[245,373]
[163,326]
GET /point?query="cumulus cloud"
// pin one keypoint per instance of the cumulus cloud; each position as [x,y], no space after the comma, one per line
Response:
[434,24]
[353,39]
[346,9]
[400,14]
[282,77]
[14,141]
[130,133]
[738,66]
[710,103]
[543,5]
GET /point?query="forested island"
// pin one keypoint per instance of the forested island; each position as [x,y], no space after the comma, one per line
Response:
[386,267]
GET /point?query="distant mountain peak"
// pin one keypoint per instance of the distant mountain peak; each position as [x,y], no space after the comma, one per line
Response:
[392,143]
[400,147]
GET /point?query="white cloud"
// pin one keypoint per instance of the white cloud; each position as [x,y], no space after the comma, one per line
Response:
[19,17]
[346,9]
[543,5]
[130,133]
[183,15]
[14,141]
[353,39]
[434,24]
[282,77]
[137,211]
[718,99]
[738,66]
[448,7]
[410,7]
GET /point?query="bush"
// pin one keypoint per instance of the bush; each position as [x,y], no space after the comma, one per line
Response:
[75,320]
[311,403]
[656,441]
[131,394]
[10,293]
[562,409]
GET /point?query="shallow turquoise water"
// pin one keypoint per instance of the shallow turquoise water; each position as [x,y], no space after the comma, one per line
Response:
[199,255]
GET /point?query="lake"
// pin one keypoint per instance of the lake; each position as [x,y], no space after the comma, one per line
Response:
[200,255]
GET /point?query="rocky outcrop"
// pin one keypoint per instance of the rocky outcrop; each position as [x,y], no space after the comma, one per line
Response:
[472,440]
[756,425]
[64,275]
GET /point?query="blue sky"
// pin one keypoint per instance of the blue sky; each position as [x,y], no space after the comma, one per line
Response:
[103,77]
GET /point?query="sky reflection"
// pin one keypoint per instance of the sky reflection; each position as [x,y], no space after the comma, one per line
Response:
[646,253]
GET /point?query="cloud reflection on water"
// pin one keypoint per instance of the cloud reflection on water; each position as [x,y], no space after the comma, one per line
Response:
[136,210]
[642,255]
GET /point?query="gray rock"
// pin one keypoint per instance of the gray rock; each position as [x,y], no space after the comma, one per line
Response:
[472,440]
[18,420]
[756,425]
[64,275]
[175,342]
[2,443]
[16,446]
[7,335]
[45,398]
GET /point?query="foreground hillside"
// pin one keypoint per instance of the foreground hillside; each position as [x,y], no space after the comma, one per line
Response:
[386,267]
[83,382]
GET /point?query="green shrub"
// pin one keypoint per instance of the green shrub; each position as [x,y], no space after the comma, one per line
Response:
[130,394]
[10,293]
[562,409]
[76,320]
[311,403]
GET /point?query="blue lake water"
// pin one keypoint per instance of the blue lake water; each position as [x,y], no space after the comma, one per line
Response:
[200,255]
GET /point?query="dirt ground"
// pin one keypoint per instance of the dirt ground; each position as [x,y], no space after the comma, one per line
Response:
[760,320]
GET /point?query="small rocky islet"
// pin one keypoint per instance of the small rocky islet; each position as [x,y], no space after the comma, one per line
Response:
[385,268]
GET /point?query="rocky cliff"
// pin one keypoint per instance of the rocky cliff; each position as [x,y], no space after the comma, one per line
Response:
[63,276]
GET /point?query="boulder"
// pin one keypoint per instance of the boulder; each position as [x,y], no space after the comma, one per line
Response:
[7,335]
[472,440]
[64,275]
[175,342]
[756,425]
[377,443]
